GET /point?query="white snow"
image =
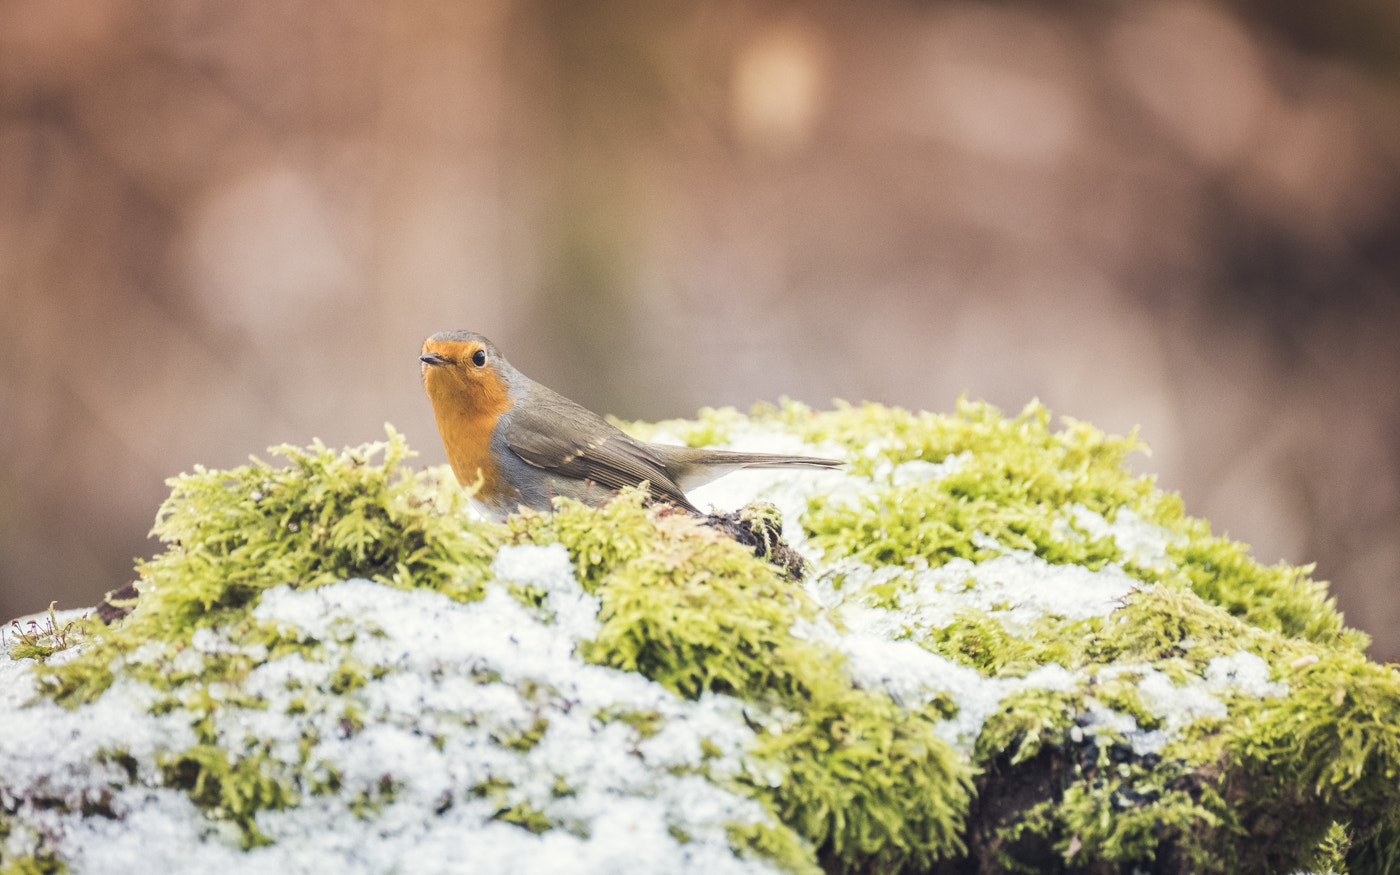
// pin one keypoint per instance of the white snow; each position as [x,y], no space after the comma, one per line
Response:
[1140,541]
[1246,672]
[432,729]
[1178,706]
[1017,587]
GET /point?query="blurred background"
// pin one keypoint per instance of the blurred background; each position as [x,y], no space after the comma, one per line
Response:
[230,225]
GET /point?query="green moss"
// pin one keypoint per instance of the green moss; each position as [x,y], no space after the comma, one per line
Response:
[524,815]
[647,723]
[524,740]
[1120,693]
[978,640]
[936,522]
[349,676]
[32,865]
[79,681]
[1015,480]
[352,720]
[1279,598]
[493,788]
[1330,855]
[681,604]
[1335,738]
[776,845]
[234,788]
[853,773]
[1025,722]
[1114,820]
[1167,622]
[41,639]
[327,516]
[855,780]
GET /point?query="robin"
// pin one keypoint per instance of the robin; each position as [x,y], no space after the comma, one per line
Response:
[520,443]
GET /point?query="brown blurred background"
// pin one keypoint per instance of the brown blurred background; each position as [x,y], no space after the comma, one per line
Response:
[229,225]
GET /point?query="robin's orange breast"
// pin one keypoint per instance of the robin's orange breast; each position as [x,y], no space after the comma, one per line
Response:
[466,419]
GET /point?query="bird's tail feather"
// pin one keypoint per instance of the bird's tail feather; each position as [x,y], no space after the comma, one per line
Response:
[715,464]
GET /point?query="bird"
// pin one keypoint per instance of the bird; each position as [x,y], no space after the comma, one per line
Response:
[515,443]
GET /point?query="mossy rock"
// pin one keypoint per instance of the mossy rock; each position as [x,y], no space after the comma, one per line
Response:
[1009,653]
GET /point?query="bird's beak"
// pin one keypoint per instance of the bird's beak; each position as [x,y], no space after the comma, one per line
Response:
[432,358]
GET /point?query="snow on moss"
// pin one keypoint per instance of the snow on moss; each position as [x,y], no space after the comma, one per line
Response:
[333,665]
[464,718]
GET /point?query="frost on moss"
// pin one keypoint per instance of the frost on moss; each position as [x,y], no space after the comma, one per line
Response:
[1010,654]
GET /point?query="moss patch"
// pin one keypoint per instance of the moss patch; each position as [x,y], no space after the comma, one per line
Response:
[860,778]
[1214,714]
[326,516]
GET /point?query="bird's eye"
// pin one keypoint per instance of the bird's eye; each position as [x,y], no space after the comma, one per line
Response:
[479,358]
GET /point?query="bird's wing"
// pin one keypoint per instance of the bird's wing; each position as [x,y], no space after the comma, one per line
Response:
[556,435]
